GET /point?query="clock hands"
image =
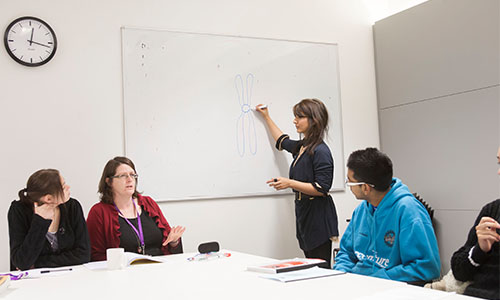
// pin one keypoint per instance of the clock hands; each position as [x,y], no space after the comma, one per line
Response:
[32,31]
[38,43]
[33,42]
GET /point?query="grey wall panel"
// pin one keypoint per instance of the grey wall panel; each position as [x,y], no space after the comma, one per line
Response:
[438,88]
[452,227]
[437,48]
[445,149]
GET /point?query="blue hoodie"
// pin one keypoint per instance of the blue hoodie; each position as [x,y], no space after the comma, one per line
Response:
[395,241]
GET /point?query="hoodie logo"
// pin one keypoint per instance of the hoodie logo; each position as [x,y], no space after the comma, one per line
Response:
[389,238]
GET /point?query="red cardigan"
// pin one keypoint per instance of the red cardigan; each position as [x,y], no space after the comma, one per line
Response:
[103,226]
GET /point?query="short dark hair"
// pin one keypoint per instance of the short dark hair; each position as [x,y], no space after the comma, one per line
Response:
[109,170]
[41,183]
[371,166]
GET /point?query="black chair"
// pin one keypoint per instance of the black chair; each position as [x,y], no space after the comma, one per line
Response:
[429,209]
[420,283]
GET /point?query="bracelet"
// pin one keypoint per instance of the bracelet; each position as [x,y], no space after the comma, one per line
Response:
[472,262]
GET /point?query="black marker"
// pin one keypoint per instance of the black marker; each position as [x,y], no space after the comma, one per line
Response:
[261,107]
[275,179]
[58,270]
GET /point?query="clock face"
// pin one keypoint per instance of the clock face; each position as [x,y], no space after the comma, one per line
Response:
[30,41]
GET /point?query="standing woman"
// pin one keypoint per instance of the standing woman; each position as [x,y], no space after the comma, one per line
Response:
[47,227]
[126,219]
[311,176]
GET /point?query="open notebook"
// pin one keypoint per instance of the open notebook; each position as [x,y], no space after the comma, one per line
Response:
[131,259]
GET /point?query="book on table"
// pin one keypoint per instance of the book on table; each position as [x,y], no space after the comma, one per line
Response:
[139,259]
[287,265]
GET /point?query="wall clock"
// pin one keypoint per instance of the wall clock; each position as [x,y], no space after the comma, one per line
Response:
[30,41]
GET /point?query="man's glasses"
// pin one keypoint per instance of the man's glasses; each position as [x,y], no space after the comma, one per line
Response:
[349,183]
[125,176]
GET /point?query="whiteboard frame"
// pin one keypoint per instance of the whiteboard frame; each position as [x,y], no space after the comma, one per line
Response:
[272,192]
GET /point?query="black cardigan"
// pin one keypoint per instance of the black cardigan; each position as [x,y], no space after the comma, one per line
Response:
[315,217]
[485,277]
[29,248]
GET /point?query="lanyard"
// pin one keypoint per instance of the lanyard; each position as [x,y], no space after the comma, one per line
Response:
[16,276]
[139,233]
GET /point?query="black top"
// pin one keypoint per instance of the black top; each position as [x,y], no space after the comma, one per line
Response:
[485,277]
[29,247]
[316,217]
[152,235]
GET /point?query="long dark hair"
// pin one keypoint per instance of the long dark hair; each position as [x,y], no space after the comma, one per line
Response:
[110,170]
[41,183]
[317,114]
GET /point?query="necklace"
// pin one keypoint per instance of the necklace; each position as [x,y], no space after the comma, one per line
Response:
[138,231]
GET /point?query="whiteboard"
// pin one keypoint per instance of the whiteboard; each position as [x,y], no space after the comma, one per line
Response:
[189,126]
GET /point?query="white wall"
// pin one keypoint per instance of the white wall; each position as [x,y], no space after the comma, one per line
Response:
[68,113]
[380,9]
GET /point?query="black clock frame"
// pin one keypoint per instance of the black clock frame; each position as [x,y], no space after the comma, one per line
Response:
[6,43]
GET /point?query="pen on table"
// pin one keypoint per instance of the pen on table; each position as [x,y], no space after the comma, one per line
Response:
[207,256]
[58,270]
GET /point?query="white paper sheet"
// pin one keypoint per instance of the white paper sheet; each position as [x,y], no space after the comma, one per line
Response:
[310,273]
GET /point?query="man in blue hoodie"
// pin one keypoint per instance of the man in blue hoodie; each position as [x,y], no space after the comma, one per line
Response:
[390,234]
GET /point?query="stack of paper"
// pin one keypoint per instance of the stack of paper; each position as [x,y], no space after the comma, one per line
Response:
[314,272]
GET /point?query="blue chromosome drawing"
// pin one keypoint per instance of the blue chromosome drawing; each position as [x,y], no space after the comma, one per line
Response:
[246,134]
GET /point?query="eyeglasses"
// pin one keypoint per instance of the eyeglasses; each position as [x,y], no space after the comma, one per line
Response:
[125,176]
[349,183]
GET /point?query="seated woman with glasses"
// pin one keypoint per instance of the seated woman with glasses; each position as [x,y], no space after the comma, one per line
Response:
[47,227]
[126,219]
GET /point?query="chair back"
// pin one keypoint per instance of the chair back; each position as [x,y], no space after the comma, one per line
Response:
[429,209]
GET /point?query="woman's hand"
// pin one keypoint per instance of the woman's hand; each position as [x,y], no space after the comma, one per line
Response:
[486,232]
[174,236]
[280,183]
[45,210]
[264,111]
[67,193]
[273,128]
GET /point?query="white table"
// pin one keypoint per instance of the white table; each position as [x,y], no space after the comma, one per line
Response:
[222,278]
